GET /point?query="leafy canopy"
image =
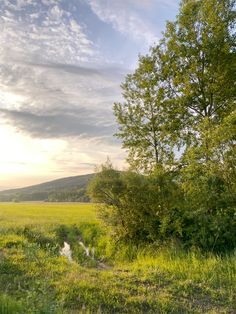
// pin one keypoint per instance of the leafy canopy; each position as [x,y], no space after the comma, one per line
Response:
[182,96]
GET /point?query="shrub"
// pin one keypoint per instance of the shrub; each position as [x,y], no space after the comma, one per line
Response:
[192,206]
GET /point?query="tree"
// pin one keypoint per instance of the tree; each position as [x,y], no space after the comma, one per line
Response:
[184,88]
[198,67]
[182,94]
[141,118]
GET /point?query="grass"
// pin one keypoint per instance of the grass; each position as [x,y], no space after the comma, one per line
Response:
[45,214]
[34,278]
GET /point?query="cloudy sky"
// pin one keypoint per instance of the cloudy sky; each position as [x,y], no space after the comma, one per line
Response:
[61,65]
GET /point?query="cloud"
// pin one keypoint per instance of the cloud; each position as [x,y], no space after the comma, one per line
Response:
[58,100]
[42,30]
[56,93]
[87,154]
[57,125]
[124,18]
[51,82]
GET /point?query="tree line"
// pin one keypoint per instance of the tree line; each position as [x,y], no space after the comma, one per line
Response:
[177,122]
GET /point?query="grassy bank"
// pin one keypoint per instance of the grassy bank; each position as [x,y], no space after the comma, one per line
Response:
[34,278]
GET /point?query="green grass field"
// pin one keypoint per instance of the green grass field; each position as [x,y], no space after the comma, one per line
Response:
[34,278]
[45,214]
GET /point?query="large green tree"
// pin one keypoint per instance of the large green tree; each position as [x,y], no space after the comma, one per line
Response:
[182,95]
[184,88]
[141,116]
[199,66]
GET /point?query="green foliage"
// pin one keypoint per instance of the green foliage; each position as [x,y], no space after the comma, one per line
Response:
[35,236]
[181,96]
[138,207]
[10,306]
[67,233]
[142,117]
[194,206]
[198,68]
[78,195]
[210,207]
[183,89]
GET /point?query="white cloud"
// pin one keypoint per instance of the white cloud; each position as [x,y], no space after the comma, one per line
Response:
[43,78]
[55,100]
[38,96]
[41,30]
[122,16]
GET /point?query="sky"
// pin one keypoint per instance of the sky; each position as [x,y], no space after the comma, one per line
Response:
[61,66]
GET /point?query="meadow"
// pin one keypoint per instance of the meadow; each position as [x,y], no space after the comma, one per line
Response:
[34,278]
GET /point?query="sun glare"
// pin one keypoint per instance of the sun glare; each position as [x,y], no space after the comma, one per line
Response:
[22,154]
[9,99]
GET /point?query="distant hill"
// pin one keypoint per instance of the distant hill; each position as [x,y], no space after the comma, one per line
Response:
[71,189]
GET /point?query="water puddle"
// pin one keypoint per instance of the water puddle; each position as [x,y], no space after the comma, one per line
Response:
[66,251]
[88,252]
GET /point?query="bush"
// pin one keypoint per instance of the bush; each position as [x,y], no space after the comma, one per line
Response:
[209,208]
[137,207]
[192,206]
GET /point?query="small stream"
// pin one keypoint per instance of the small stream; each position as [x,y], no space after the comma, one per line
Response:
[66,251]
[90,252]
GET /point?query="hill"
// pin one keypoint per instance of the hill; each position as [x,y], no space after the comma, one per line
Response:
[70,189]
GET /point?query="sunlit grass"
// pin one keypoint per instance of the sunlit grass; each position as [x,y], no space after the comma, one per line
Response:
[34,278]
[45,214]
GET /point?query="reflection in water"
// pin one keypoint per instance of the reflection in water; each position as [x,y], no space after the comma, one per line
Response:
[87,250]
[66,251]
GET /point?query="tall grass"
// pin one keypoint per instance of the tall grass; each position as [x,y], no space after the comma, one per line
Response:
[123,278]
